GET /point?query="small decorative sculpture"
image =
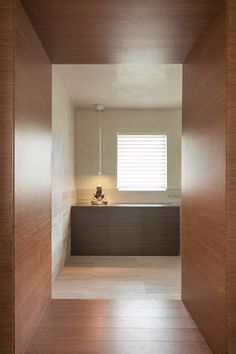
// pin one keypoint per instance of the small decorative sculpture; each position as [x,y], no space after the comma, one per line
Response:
[99,197]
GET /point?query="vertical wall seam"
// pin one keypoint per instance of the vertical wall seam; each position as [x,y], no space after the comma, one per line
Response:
[13,169]
[227,173]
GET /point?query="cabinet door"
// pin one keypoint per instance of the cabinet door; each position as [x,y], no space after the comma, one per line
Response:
[125,226]
[161,231]
[89,231]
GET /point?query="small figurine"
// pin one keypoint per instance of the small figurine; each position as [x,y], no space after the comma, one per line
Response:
[99,197]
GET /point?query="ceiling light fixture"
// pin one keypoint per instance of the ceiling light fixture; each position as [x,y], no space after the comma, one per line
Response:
[99,108]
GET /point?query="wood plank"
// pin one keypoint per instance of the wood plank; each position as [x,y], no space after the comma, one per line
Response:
[204,261]
[104,32]
[7,13]
[63,331]
[118,334]
[32,180]
[121,348]
[231,173]
[57,305]
[116,322]
[73,308]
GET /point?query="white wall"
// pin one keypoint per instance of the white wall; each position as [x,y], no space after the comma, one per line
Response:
[63,173]
[124,121]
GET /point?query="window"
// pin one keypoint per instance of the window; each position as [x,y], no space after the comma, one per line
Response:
[142,162]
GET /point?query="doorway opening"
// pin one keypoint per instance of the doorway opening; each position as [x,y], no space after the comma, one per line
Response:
[129,248]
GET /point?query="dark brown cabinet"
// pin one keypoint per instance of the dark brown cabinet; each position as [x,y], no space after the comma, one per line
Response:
[125,230]
[89,231]
[161,231]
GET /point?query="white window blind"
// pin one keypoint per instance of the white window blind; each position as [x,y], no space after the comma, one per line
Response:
[141,162]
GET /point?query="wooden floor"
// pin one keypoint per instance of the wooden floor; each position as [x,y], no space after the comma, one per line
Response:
[117,327]
[116,277]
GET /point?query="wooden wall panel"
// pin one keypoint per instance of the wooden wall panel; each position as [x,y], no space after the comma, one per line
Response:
[32,180]
[6,175]
[204,245]
[231,173]
[118,31]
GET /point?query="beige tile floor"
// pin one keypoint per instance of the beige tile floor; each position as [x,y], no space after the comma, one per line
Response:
[116,277]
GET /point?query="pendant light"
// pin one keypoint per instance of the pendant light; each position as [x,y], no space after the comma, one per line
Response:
[99,108]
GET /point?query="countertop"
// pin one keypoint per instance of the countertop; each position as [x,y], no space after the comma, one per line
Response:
[144,205]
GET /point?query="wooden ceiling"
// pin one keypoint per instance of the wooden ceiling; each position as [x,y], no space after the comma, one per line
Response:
[118,31]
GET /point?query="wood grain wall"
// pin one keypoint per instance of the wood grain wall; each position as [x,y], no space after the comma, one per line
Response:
[108,32]
[32,180]
[204,245]
[6,175]
[231,173]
